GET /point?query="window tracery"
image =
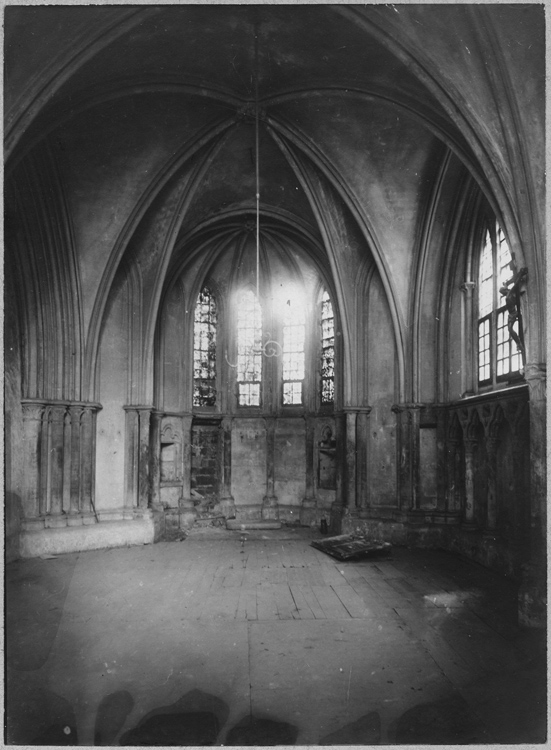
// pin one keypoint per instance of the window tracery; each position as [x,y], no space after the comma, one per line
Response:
[249,349]
[294,333]
[327,350]
[204,350]
[499,354]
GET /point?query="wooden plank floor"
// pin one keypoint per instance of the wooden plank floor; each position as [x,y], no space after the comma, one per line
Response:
[289,580]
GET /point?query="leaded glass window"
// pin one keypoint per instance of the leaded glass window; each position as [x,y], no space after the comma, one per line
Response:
[204,350]
[294,332]
[327,350]
[498,357]
[249,349]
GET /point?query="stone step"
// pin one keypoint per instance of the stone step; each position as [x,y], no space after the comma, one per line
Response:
[234,525]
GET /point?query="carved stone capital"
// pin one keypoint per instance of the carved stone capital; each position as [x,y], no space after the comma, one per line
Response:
[469,420]
[467,287]
[57,413]
[33,410]
[491,416]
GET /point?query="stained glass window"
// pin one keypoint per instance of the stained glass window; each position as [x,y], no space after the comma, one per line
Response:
[294,332]
[249,349]
[498,356]
[327,350]
[204,350]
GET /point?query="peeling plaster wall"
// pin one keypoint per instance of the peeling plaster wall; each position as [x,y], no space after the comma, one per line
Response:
[248,448]
[290,461]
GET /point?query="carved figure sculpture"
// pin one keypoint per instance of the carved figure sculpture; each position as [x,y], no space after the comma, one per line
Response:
[511,291]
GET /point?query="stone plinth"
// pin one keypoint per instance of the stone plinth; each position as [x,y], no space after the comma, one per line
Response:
[57,541]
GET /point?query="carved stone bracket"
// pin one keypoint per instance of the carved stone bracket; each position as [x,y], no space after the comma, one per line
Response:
[469,421]
[491,417]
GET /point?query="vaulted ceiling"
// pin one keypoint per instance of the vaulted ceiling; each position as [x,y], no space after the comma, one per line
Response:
[371,113]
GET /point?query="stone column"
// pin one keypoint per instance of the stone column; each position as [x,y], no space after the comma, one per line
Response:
[453,499]
[441,462]
[270,509]
[415,438]
[469,445]
[468,419]
[144,457]
[67,435]
[362,438]
[226,502]
[131,457]
[45,443]
[403,448]
[88,455]
[337,509]
[467,344]
[308,509]
[33,413]
[491,416]
[75,413]
[188,514]
[57,424]
[491,509]
[155,459]
[350,497]
[533,588]
[516,413]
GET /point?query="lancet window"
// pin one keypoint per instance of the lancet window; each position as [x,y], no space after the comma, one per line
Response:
[294,333]
[204,350]
[327,350]
[498,354]
[249,349]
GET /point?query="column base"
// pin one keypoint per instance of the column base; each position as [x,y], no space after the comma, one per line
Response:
[226,507]
[270,508]
[187,514]
[308,512]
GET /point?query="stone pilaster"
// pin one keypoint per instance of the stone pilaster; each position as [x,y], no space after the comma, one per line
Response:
[469,446]
[415,438]
[131,443]
[226,502]
[533,589]
[308,509]
[338,507]
[75,413]
[57,425]
[44,460]
[351,417]
[467,344]
[362,437]
[409,420]
[33,413]
[403,449]
[491,508]
[491,416]
[67,436]
[453,471]
[155,459]
[143,460]
[468,418]
[270,508]
[88,455]
[188,514]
